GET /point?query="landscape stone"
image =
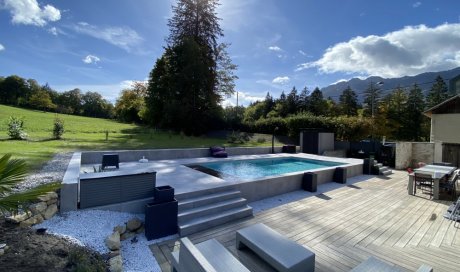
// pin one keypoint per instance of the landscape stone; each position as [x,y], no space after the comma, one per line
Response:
[116,264]
[48,196]
[50,211]
[134,224]
[140,230]
[36,219]
[114,253]
[2,251]
[38,207]
[127,235]
[113,241]
[17,218]
[121,229]
[51,201]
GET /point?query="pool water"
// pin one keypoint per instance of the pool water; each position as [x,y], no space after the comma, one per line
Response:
[251,169]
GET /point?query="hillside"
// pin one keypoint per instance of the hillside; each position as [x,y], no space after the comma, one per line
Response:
[425,81]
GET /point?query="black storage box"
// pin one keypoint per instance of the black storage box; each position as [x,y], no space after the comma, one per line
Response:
[368,164]
[310,182]
[340,175]
[289,149]
[163,194]
[110,160]
[160,219]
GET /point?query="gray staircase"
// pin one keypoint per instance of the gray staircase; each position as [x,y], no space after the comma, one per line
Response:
[205,209]
[382,170]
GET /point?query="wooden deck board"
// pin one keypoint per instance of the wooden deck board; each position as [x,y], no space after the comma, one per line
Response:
[374,217]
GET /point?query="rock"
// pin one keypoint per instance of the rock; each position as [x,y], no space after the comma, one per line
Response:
[2,246]
[114,253]
[134,224]
[116,264]
[2,251]
[51,201]
[127,235]
[140,230]
[17,218]
[50,211]
[48,196]
[121,229]
[113,241]
[37,208]
[36,219]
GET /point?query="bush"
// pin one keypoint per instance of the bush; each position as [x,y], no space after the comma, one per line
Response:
[58,128]
[238,137]
[16,128]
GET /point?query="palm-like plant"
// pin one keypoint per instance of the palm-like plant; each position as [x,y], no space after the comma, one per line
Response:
[13,171]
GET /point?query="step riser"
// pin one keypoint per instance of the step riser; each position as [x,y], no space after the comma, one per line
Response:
[202,202]
[212,210]
[195,194]
[184,231]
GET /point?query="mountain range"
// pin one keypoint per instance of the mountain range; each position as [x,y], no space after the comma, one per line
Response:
[425,82]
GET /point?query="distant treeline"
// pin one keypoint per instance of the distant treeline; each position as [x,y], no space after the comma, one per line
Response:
[28,93]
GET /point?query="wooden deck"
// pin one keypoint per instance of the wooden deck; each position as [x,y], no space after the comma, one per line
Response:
[345,226]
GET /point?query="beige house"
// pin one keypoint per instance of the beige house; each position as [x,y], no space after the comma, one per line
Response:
[445,130]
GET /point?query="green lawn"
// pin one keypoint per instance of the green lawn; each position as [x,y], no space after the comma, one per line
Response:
[84,133]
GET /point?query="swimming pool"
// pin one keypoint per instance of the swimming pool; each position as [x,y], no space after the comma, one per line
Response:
[259,168]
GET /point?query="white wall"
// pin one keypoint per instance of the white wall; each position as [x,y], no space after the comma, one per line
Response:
[445,128]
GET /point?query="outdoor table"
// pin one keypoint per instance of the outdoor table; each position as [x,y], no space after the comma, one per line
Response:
[437,172]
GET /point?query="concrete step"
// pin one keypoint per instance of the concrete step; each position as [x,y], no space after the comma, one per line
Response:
[214,208]
[209,221]
[203,200]
[387,173]
[199,193]
[383,168]
[378,164]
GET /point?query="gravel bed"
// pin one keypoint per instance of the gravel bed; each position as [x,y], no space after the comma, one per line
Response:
[53,170]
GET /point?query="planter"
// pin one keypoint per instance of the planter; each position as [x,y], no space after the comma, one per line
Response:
[163,194]
[289,149]
[160,219]
[310,182]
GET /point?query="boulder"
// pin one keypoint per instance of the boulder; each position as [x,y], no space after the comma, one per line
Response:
[2,251]
[121,229]
[50,211]
[127,235]
[140,230]
[134,224]
[114,253]
[36,219]
[51,201]
[116,264]
[17,218]
[48,196]
[113,241]
[37,208]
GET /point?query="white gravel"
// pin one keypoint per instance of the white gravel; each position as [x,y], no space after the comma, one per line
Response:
[53,170]
[91,227]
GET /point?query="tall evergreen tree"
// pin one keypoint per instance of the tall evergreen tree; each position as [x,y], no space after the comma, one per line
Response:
[348,102]
[438,92]
[371,98]
[292,101]
[413,117]
[303,99]
[317,105]
[396,108]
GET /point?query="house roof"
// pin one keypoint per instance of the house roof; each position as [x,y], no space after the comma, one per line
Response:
[451,105]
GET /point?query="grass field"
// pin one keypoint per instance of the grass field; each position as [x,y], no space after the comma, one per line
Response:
[84,133]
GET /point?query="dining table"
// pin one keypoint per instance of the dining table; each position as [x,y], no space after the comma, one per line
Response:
[437,172]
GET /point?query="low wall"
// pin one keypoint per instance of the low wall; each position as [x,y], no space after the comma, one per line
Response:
[69,186]
[408,154]
[95,157]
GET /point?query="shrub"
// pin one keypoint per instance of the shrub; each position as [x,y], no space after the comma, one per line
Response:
[238,137]
[58,128]
[16,128]
[261,140]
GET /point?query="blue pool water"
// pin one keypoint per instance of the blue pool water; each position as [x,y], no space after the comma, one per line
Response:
[251,169]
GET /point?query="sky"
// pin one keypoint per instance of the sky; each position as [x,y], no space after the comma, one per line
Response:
[105,45]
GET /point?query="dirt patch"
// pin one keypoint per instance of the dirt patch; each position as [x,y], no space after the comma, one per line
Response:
[29,251]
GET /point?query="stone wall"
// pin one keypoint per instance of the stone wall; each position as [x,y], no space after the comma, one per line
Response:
[44,209]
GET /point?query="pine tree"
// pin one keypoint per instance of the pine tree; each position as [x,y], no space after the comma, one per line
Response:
[317,105]
[292,101]
[371,99]
[303,100]
[348,102]
[438,92]
[413,117]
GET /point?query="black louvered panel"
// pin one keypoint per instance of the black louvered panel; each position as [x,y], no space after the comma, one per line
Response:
[138,186]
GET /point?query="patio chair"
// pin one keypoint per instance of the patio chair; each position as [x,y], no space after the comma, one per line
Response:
[424,181]
[450,185]
[218,152]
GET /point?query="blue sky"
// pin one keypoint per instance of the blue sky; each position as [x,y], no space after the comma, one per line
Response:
[104,45]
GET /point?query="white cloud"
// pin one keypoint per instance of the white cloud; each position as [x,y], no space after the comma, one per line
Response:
[123,37]
[244,99]
[409,51]
[275,48]
[29,12]
[281,80]
[2,47]
[91,59]
[302,53]
[53,30]
[416,4]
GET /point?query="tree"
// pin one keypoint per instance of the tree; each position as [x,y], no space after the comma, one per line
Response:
[269,104]
[348,102]
[371,99]
[11,89]
[12,172]
[41,100]
[413,117]
[303,99]
[292,101]
[94,105]
[395,111]
[317,105]
[131,103]
[438,93]
[71,101]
